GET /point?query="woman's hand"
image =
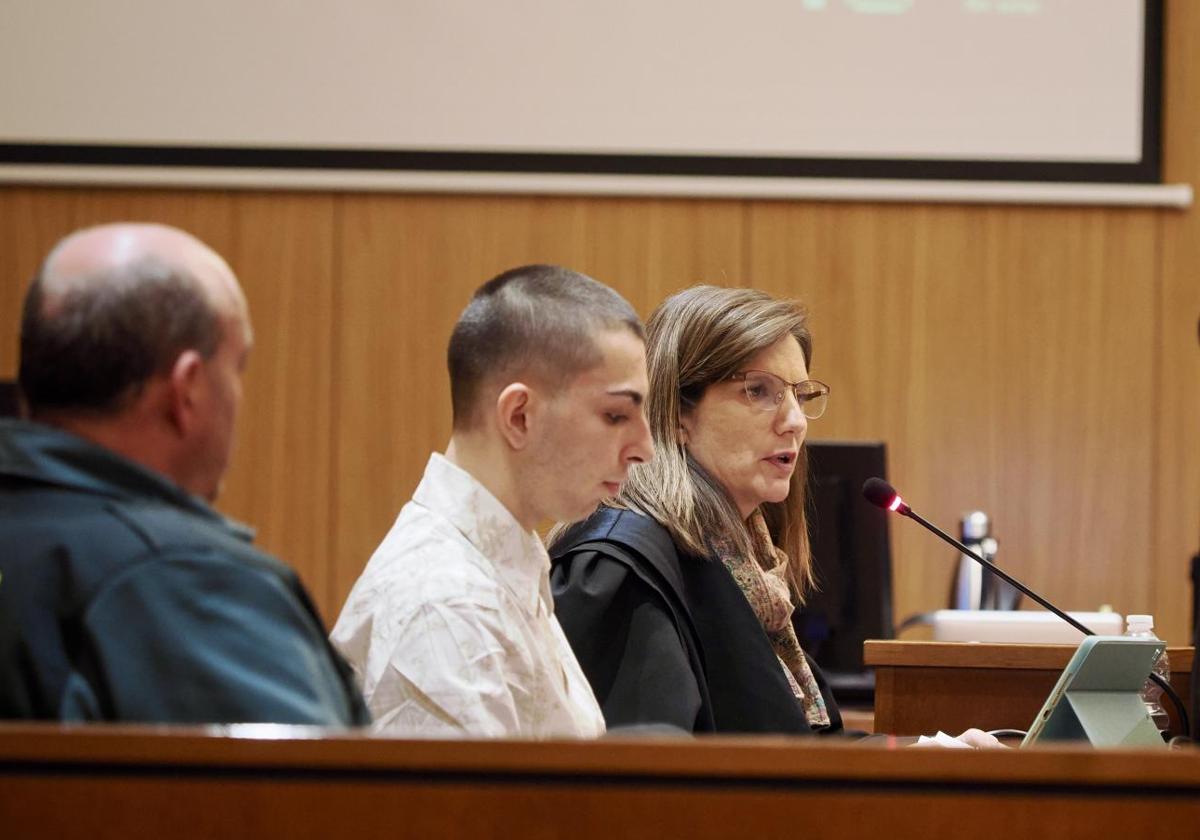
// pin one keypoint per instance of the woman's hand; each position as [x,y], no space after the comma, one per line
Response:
[980,740]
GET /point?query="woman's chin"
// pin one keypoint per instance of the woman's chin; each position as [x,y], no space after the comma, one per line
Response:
[777,492]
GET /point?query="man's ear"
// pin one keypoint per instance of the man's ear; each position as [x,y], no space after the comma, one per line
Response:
[184,386]
[513,408]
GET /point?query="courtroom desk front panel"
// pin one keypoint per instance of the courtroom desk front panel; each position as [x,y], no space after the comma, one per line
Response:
[125,782]
[858,719]
[921,687]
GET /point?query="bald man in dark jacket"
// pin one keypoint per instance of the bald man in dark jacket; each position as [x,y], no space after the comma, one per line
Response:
[123,595]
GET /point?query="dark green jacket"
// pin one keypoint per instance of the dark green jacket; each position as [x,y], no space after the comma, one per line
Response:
[123,598]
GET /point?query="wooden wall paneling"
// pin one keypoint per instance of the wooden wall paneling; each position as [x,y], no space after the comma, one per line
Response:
[648,249]
[944,457]
[1174,414]
[408,266]
[974,341]
[853,265]
[32,219]
[894,294]
[207,214]
[1077,321]
[281,476]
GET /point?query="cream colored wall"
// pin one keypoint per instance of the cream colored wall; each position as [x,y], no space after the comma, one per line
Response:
[1040,363]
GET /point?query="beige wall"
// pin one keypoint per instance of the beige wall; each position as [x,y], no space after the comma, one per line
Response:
[1040,363]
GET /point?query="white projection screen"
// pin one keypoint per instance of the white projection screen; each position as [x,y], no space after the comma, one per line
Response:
[1065,90]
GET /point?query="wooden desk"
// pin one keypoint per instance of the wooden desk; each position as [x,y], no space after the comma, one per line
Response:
[921,687]
[98,783]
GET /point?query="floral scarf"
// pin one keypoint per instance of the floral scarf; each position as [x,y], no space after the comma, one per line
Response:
[763,581]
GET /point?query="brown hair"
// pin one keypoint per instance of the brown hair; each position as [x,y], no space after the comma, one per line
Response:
[694,339]
[535,319]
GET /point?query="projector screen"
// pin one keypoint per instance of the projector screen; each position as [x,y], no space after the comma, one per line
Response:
[962,89]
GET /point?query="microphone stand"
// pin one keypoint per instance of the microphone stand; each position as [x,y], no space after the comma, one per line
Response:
[905,510]
[992,567]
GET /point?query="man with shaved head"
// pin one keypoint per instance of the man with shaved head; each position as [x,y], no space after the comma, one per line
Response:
[123,595]
[451,626]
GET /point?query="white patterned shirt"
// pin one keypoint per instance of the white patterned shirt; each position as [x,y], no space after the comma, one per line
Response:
[451,627]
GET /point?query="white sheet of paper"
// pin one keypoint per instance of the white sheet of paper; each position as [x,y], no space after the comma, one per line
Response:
[941,739]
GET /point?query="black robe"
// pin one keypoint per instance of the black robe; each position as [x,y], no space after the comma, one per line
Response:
[669,639]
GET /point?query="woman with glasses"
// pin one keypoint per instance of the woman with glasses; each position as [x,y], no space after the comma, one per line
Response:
[677,595]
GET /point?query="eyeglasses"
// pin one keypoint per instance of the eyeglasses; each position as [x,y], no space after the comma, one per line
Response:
[765,391]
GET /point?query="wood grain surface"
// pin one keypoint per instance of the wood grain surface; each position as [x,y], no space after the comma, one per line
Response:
[185,784]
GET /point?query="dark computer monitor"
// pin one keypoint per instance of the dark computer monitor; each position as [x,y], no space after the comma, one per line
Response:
[9,407]
[852,561]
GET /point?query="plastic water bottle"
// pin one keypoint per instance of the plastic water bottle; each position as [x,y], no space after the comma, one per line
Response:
[1142,627]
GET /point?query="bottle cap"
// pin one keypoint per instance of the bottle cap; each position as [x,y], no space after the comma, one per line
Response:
[1145,622]
[975,526]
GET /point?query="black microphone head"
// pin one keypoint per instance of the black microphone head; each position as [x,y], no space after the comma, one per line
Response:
[879,493]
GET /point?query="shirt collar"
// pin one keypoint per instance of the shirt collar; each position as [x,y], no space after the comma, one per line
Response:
[518,556]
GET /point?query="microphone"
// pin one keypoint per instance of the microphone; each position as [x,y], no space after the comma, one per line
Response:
[881,494]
